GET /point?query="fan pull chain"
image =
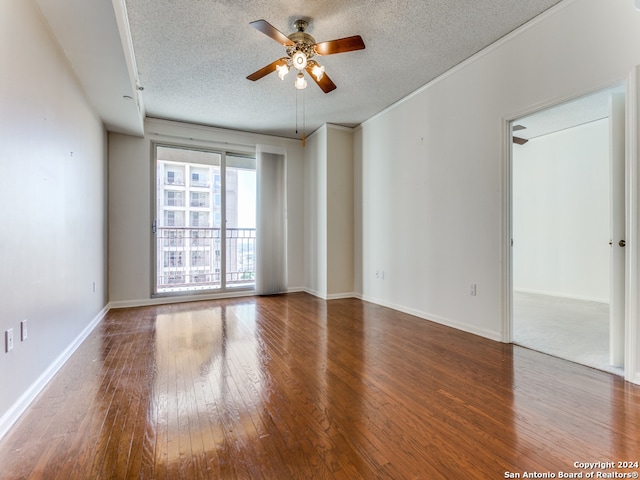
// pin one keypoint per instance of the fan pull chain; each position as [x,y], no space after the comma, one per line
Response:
[304,125]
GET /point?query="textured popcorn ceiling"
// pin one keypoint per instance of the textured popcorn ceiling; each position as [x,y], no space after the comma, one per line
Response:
[193,56]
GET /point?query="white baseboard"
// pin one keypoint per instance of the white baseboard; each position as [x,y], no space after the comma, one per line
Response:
[163,300]
[338,296]
[331,296]
[315,293]
[490,334]
[12,415]
[481,332]
[296,290]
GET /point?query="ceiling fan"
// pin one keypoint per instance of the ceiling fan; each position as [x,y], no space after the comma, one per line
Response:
[301,48]
[519,140]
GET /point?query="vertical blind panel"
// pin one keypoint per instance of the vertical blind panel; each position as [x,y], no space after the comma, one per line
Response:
[271,247]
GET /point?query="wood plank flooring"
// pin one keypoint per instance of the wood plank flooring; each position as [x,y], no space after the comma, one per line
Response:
[293,387]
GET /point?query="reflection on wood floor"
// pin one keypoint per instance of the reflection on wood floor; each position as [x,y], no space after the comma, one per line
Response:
[291,386]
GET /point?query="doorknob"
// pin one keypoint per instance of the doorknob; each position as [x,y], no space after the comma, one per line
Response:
[622,243]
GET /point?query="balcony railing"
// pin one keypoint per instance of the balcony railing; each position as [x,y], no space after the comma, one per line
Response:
[190,258]
[174,181]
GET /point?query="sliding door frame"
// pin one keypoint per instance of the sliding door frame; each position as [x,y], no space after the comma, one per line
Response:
[224,288]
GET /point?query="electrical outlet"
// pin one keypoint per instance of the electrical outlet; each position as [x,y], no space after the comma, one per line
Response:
[23,330]
[472,290]
[8,337]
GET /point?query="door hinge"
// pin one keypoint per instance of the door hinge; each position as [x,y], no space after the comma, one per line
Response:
[153,225]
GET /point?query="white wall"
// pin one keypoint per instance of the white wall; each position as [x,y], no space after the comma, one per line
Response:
[561,213]
[130,170]
[431,169]
[53,237]
[329,220]
[339,211]
[131,212]
[315,205]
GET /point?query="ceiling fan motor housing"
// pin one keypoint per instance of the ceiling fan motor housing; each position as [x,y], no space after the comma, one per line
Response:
[302,37]
[303,41]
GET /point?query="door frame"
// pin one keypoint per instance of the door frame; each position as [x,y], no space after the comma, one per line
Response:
[632,181]
[224,290]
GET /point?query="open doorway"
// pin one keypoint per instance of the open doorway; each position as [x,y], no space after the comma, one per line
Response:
[562,216]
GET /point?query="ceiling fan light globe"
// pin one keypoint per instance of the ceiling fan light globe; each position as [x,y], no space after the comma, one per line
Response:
[301,82]
[299,60]
[318,71]
[282,71]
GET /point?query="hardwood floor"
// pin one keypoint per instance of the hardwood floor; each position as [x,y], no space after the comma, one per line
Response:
[291,386]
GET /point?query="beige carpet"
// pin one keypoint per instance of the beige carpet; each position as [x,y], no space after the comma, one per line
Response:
[575,330]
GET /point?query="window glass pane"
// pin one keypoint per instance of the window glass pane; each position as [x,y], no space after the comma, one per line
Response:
[191,221]
[185,236]
[240,220]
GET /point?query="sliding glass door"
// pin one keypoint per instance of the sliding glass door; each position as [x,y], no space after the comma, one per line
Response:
[205,220]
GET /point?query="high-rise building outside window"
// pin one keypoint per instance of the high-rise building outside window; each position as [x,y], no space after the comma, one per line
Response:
[205,227]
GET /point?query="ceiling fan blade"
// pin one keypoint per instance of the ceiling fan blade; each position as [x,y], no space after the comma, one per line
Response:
[271,31]
[341,45]
[325,83]
[520,141]
[519,127]
[264,71]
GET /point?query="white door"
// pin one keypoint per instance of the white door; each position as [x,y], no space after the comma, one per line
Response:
[617,206]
